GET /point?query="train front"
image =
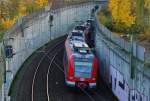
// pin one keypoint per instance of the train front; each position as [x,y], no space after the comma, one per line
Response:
[83,69]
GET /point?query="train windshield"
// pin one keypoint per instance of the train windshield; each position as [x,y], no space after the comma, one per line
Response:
[82,28]
[83,67]
[77,34]
[89,21]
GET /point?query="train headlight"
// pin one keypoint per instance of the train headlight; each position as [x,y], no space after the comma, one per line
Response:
[71,77]
[94,79]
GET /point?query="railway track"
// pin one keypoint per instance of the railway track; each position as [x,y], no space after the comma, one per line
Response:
[43,80]
[93,95]
[51,54]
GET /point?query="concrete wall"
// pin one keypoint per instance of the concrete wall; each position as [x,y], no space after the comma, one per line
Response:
[30,35]
[113,53]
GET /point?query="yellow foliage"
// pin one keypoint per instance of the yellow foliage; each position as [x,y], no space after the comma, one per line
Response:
[147,4]
[121,12]
[22,8]
[7,23]
[41,3]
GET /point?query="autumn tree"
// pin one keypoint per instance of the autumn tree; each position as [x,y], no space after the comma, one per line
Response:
[4,9]
[121,12]
[41,3]
[147,8]
[10,10]
[139,12]
[14,7]
[22,8]
[147,4]
[6,20]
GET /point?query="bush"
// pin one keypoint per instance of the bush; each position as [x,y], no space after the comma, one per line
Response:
[105,17]
[145,35]
[135,29]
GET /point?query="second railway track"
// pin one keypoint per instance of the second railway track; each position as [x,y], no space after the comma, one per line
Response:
[51,53]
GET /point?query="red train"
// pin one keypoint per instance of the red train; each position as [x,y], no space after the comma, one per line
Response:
[80,63]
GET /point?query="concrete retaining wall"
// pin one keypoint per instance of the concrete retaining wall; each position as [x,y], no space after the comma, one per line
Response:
[113,52]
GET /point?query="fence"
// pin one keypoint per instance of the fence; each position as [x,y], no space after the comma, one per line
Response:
[113,52]
[33,31]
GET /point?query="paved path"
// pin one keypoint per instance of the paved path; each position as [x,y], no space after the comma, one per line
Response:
[43,80]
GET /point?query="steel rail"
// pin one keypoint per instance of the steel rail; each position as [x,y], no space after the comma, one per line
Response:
[85,92]
[59,67]
[49,68]
[92,98]
[101,98]
[37,68]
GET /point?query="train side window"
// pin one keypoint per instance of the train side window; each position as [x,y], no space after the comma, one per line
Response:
[122,85]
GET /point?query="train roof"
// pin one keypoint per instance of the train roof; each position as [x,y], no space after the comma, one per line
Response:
[76,35]
[80,27]
[76,41]
[79,47]
[89,21]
